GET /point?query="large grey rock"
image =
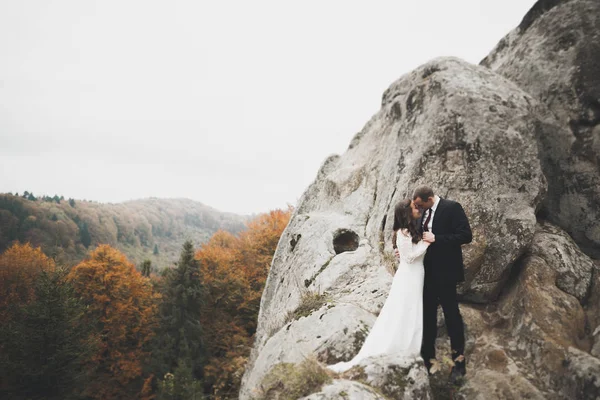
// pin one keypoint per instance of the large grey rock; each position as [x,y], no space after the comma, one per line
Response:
[310,335]
[469,133]
[539,322]
[489,143]
[574,268]
[342,389]
[458,129]
[387,375]
[584,371]
[533,341]
[554,55]
[492,385]
[396,378]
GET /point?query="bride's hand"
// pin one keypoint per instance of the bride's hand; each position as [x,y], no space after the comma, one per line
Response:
[397,253]
[428,237]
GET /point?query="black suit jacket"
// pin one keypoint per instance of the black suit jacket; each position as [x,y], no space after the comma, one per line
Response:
[444,260]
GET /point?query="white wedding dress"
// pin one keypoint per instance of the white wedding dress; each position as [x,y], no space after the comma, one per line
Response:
[398,329]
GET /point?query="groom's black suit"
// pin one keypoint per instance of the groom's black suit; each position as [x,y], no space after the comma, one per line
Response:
[443,270]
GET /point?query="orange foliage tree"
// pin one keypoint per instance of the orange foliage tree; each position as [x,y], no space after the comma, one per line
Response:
[20,265]
[234,271]
[122,307]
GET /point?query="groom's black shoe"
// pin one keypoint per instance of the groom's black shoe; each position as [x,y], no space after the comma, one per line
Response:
[457,375]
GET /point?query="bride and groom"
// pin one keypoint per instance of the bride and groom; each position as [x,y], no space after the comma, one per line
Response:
[428,234]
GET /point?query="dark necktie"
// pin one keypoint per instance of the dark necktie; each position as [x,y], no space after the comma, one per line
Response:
[426,225]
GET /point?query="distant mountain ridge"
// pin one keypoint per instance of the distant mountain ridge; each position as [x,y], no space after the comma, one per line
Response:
[143,229]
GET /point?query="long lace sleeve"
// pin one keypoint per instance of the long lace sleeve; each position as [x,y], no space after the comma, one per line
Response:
[408,250]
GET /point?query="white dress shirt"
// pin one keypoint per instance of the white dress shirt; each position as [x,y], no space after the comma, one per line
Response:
[432,211]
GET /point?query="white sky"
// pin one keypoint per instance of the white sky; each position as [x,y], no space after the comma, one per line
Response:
[232,103]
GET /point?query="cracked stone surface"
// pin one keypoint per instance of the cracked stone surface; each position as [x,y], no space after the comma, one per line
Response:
[516,141]
[554,55]
[533,341]
[454,125]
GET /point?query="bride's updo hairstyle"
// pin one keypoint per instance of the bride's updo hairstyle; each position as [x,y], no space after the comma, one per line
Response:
[403,220]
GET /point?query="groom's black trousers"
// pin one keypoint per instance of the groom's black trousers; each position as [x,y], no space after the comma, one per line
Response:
[439,292]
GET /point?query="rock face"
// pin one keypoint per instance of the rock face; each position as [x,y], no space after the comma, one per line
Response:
[592,310]
[574,269]
[345,390]
[554,55]
[448,123]
[517,142]
[382,377]
[532,342]
[397,379]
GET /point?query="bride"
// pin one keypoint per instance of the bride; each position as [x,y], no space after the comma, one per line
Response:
[399,327]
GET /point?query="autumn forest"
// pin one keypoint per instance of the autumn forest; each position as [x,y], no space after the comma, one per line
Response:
[106,314]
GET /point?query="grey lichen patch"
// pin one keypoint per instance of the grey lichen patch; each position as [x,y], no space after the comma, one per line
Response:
[287,381]
[309,302]
[357,373]
[308,282]
[329,356]
[414,101]
[360,336]
[430,70]
[396,110]
[328,165]
[396,381]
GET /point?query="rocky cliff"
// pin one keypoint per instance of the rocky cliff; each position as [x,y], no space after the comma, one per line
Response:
[515,141]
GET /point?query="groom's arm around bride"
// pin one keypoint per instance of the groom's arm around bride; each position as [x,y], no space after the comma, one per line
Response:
[460,230]
[449,230]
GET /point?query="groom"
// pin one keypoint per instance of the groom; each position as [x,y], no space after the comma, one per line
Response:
[446,226]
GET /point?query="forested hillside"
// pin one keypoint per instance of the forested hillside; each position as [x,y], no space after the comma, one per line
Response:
[150,229]
[102,329]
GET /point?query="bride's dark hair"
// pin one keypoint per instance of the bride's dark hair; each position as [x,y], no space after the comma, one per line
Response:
[403,220]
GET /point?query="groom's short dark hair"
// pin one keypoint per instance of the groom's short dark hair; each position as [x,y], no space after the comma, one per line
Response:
[423,192]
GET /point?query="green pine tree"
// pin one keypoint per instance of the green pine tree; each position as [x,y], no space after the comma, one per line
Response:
[155,249]
[84,235]
[180,385]
[146,268]
[177,344]
[44,346]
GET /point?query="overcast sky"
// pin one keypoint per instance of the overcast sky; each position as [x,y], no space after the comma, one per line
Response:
[232,103]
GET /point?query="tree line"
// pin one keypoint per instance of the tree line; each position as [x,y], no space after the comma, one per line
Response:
[104,329]
[150,228]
